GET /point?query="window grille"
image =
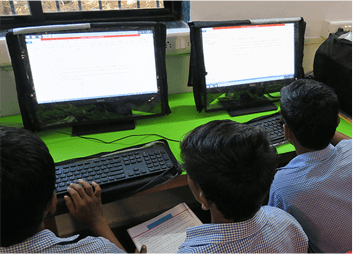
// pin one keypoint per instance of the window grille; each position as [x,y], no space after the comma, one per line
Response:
[24,13]
[9,7]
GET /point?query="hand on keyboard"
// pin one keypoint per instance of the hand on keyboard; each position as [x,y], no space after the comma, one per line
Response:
[85,203]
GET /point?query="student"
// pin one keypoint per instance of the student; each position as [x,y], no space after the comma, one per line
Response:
[316,186]
[230,169]
[27,196]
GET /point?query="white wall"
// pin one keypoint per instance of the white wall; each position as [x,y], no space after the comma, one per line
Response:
[313,12]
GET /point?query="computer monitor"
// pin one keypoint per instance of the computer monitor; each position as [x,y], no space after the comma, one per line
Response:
[233,64]
[95,77]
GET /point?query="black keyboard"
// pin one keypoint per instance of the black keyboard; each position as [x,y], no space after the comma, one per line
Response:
[273,127]
[113,168]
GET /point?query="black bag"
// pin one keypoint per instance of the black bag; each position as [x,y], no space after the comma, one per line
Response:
[333,67]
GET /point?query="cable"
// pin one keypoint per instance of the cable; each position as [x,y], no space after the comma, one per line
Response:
[156,179]
[110,142]
[274,97]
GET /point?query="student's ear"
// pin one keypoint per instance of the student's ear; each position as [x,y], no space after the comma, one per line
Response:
[288,134]
[51,206]
[205,203]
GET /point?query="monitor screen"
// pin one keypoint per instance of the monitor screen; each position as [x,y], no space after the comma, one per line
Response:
[92,76]
[239,62]
[94,65]
[248,54]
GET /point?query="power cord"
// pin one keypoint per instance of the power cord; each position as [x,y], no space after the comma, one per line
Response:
[119,139]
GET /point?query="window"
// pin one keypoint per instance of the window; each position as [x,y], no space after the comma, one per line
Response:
[27,13]
[9,8]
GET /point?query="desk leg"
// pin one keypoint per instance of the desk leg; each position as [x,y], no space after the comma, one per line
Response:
[50,223]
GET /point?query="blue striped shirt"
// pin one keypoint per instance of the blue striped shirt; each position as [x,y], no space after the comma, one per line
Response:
[270,230]
[47,242]
[316,188]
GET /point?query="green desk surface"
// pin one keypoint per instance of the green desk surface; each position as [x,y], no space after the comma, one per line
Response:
[184,118]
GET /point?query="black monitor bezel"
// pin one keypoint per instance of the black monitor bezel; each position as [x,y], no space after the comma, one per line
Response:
[28,102]
[197,72]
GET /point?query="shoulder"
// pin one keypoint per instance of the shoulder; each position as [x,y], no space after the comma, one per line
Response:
[285,176]
[282,221]
[47,241]
[94,244]
[284,230]
[345,144]
[277,213]
[100,244]
[280,218]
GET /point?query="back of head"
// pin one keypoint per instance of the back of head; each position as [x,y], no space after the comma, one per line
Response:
[233,164]
[27,184]
[310,109]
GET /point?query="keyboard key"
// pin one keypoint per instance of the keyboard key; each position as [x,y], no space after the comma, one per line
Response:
[154,169]
[120,176]
[115,173]
[60,189]
[273,127]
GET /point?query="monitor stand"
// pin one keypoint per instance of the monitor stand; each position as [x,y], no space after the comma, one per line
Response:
[261,106]
[96,128]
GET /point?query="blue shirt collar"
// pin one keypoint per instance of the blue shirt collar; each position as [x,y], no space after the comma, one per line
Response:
[225,232]
[312,157]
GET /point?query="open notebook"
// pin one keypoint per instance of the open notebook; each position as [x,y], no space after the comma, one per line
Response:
[166,232]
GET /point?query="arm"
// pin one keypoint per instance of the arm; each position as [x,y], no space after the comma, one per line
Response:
[338,137]
[86,205]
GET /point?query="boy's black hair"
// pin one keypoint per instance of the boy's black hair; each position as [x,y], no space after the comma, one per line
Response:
[310,109]
[27,183]
[232,163]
